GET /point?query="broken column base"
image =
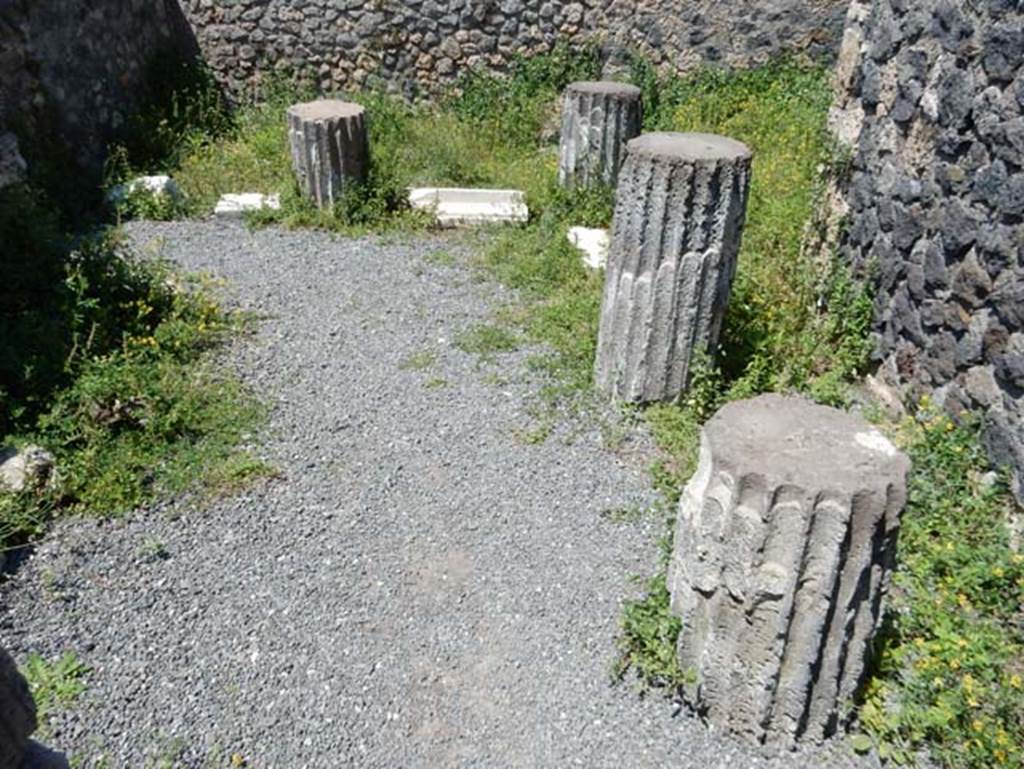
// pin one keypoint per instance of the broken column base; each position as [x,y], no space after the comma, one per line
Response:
[784,544]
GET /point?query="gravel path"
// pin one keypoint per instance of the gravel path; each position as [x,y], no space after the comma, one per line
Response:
[423,587]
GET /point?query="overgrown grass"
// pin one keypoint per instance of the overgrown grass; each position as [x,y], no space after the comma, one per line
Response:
[106,362]
[950,675]
[484,134]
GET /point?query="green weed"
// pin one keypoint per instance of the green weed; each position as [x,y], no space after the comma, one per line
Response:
[486,340]
[105,361]
[54,685]
[442,258]
[419,361]
[649,631]
[153,549]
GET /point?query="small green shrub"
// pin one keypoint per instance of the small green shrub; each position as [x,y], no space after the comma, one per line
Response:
[182,107]
[63,302]
[647,642]
[513,107]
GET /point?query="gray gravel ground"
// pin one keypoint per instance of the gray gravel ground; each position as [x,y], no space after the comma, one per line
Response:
[422,587]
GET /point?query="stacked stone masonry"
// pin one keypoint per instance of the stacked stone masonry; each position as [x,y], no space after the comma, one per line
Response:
[77,68]
[412,45]
[80,66]
[783,549]
[931,102]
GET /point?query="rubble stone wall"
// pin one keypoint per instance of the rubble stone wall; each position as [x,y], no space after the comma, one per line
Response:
[931,103]
[77,68]
[414,45]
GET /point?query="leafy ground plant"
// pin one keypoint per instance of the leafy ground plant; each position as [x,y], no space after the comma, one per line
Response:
[54,685]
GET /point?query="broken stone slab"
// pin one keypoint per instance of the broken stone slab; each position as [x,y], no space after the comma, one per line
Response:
[784,545]
[30,468]
[158,185]
[598,118]
[329,147]
[17,713]
[679,212]
[457,206]
[236,205]
[593,242]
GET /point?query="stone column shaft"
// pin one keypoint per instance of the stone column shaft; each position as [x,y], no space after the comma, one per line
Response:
[785,539]
[679,212]
[598,118]
[329,147]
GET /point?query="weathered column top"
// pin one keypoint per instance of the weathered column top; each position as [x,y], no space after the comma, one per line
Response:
[675,147]
[326,109]
[606,87]
[791,440]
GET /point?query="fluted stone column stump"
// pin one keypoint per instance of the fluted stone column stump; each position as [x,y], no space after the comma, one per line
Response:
[783,547]
[598,118]
[679,212]
[17,713]
[329,146]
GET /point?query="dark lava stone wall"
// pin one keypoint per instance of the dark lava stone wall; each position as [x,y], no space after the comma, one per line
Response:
[74,69]
[410,45]
[932,103]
